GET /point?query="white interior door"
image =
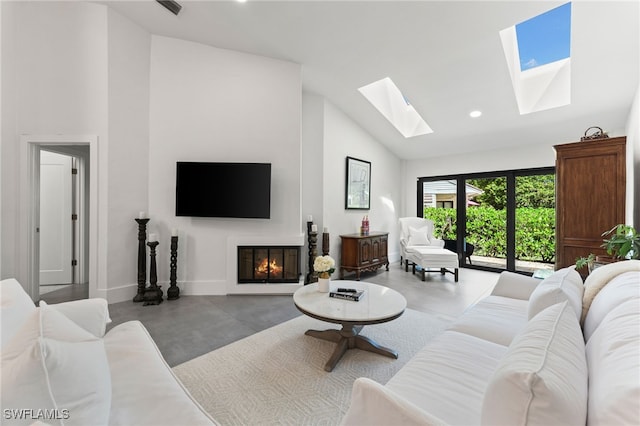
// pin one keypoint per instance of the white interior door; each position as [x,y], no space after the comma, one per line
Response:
[55,218]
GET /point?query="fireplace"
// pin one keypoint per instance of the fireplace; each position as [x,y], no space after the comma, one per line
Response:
[268,264]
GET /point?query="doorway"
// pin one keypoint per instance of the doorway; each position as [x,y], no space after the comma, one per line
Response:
[83,148]
[63,209]
[495,221]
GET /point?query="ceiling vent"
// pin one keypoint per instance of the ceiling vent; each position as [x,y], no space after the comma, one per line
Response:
[173,6]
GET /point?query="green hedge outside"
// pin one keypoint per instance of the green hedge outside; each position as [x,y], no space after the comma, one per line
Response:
[486,230]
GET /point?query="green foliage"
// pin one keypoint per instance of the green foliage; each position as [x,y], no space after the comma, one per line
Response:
[531,191]
[535,233]
[495,192]
[536,191]
[623,241]
[486,230]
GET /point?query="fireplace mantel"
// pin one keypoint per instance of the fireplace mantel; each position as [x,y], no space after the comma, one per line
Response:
[233,287]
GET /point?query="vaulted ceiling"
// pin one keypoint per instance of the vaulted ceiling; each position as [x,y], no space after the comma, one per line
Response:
[445,56]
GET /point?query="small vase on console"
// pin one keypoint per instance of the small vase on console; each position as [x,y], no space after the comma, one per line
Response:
[324,285]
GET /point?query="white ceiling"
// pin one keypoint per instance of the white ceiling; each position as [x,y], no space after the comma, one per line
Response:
[445,56]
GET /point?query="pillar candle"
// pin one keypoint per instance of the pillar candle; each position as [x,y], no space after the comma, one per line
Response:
[314,228]
[153,237]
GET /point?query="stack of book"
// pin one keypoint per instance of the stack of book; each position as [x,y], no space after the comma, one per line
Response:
[347,294]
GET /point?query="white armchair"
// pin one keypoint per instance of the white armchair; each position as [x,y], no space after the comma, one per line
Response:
[413,233]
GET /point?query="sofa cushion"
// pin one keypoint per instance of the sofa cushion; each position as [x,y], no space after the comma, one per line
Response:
[16,306]
[447,378]
[53,364]
[418,236]
[495,318]
[613,357]
[542,379]
[564,284]
[141,378]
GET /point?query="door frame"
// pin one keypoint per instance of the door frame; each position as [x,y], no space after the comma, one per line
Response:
[461,212]
[30,206]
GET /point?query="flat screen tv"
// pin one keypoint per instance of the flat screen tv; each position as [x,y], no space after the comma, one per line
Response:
[241,190]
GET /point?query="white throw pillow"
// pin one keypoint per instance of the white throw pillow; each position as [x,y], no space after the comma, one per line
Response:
[542,379]
[57,370]
[90,314]
[563,285]
[418,237]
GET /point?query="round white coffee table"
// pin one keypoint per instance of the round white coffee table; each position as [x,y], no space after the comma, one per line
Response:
[378,304]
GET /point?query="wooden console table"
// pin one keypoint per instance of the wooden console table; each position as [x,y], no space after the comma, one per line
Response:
[364,253]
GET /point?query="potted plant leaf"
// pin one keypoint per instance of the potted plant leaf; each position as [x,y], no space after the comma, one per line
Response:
[621,242]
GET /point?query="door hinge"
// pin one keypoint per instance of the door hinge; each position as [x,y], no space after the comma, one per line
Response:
[74,171]
[74,217]
[74,262]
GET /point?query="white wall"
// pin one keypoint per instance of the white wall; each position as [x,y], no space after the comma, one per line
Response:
[128,156]
[312,168]
[77,68]
[342,138]
[54,81]
[210,104]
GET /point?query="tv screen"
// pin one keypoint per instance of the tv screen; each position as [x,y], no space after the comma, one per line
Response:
[240,190]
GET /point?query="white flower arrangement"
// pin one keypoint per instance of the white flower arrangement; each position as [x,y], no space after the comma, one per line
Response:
[324,266]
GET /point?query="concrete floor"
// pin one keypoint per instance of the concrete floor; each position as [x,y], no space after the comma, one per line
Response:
[195,325]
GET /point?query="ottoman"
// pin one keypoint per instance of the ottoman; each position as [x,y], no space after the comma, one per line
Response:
[429,257]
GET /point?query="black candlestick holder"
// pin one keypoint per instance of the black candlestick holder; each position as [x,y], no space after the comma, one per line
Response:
[142,259]
[312,239]
[325,244]
[153,293]
[173,292]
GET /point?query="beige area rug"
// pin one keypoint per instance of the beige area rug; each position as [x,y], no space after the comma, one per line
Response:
[277,377]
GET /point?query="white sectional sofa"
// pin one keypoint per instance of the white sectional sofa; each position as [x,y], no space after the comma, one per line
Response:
[520,356]
[60,368]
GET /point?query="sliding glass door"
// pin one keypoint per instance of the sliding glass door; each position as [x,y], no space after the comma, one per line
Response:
[494,221]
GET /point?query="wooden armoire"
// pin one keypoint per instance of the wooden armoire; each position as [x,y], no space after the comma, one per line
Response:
[590,196]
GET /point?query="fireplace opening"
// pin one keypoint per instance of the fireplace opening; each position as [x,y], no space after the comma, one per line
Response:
[268,264]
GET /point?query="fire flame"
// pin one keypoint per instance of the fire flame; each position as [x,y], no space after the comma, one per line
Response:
[272,267]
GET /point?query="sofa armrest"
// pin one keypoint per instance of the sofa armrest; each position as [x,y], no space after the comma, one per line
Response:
[515,286]
[90,314]
[373,404]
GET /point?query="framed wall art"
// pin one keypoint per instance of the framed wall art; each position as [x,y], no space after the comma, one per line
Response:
[358,187]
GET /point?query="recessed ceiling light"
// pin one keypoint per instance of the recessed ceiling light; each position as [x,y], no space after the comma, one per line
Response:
[475,114]
[241,1]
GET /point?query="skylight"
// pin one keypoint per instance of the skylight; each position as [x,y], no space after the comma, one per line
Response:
[538,56]
[385,96]
[545,38]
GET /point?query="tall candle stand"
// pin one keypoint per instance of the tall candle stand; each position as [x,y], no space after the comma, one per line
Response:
[173,292]
[312,239]
[153,293]
[142,259]
[325,244]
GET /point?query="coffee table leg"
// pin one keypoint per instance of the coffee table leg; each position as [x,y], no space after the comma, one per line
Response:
[328,335]
[349,338]
[366,344]
[337,354]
